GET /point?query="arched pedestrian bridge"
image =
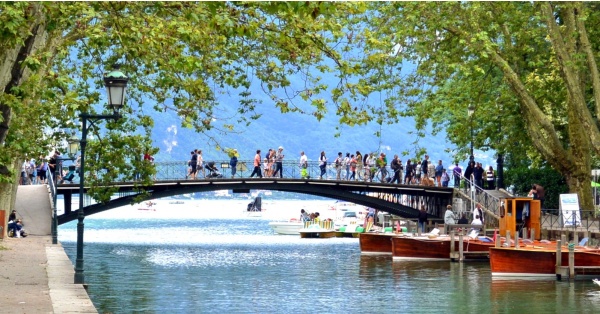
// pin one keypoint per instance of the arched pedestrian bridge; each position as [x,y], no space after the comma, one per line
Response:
[397,199]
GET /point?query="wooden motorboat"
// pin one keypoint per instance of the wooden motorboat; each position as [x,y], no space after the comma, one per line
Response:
[437,248]
[540,260]
[376,243]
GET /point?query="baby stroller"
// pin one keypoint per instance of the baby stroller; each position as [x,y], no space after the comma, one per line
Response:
[69,176]
[213,172]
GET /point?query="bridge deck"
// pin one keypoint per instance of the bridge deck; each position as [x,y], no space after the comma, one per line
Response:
[397,199]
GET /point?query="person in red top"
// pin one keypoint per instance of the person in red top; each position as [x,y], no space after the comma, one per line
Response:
[148,157]
[256,165]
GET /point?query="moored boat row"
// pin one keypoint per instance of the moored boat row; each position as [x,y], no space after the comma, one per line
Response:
[529,258]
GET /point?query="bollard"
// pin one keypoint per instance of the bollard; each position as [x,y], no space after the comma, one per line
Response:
[563,238]
[558,259]
[516,240]
[525,235]
[572,261]
[586,235]
[498,241]
[460,247]
[575,237]
[507,241]
[533,234]
[452,248]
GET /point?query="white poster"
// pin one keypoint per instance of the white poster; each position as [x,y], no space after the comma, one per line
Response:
[569,210]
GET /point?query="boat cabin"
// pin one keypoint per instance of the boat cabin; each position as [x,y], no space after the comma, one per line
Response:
[517,213]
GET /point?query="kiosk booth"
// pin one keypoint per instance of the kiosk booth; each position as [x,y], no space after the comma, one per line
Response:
[517,213]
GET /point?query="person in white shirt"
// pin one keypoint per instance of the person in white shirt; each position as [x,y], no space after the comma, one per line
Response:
[346,164]
[303,165]
[449,218]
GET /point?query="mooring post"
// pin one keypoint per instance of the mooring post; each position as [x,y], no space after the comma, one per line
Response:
[586,235]
[525,235]
[498,240]
[575,237]
[563,237]
[507,241]
[452,248]
[532,237]
[558,259]
[460,247]
[571,261]
[516,240]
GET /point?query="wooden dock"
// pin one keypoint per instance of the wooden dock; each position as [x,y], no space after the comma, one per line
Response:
[571,271]
[460,255]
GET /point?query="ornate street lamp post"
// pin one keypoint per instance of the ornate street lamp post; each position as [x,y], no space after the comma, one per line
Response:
[72,148]
[116,84]
[471,111]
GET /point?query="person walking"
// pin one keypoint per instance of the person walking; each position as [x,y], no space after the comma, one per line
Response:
[469,175]
[303,166]
[408,175]
[456,173]
[381,163]
[338,166]
[359,166]
[323,165]
[200,163]
[256,165]
[424,167]
[353,163]
[193,165]
[233,163]
[439,170]
[396,166]
[346,164]
[41,171]
[445,178]
[418,166]
[279,162]
[490,178]
[422,218]
[449,218]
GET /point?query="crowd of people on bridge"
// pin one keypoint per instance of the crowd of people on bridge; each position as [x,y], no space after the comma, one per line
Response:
[368,167]
[35,171]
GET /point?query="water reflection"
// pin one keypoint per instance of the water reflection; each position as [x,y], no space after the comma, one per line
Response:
[237,267]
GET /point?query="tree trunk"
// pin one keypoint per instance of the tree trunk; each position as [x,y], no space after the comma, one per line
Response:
[578,171]
[12,71]
[8,193]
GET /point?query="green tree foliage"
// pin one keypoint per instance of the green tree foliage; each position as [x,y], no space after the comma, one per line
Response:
[523,178]
[179,56]
[528,68]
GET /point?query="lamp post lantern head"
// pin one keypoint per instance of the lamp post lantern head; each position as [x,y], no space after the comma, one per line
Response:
[471,110]
[116,84]
[73,147]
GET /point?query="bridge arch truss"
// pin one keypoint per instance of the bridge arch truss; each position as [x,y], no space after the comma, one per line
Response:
[400,200]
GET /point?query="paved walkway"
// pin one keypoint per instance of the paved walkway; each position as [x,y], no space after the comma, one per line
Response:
[37,277]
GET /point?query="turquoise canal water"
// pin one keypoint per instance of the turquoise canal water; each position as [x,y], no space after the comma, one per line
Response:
[189,260]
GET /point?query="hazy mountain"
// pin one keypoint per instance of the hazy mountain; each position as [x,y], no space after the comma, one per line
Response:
[297,132]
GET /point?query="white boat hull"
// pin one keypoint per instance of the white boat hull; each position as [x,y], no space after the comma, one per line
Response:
[286,227]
